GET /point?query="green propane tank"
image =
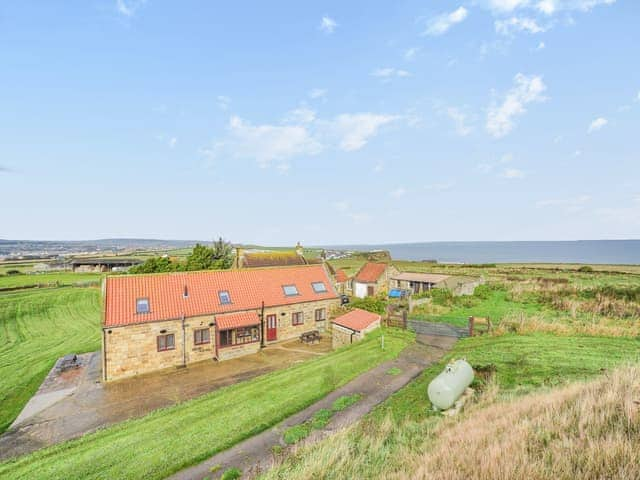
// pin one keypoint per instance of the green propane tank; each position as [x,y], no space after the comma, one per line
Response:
[447,387]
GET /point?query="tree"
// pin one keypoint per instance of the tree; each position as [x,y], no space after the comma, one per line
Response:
[223,253]
[156,265]
[218,256]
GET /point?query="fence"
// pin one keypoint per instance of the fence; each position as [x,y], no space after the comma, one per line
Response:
[437,329]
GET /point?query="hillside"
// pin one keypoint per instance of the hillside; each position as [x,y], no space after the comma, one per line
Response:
[587,430]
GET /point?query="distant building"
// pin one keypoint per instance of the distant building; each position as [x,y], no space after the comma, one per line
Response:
[272,258]
[114,264]
[372,278]
[343,282]
[418,282]
[159,321]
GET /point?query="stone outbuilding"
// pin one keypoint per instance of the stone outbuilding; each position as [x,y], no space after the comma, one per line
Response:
[352,326]
[372,278]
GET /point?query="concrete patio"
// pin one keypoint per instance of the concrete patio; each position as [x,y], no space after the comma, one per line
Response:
[75,402]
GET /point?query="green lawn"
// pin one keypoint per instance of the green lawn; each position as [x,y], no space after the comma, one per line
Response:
[62,278]
[37,327]
[168,440]
[402,427]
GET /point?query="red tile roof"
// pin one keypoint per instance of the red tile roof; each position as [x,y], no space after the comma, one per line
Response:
[227,321]
[371,272]
[247,289]
[357,319]
[341,276]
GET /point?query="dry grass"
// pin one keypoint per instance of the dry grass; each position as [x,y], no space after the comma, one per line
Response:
[581,431]
[523,324]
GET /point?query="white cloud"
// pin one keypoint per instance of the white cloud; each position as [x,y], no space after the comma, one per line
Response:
[443,22]
[597,124]
[128,8]
[460,120]
[638,96]
[411,53]
[223,102]
[360,218]
[487,167]
[398,192]
[547,7]
[512,173]
[502,6]
[301,134]
[172,142]
[389,72]
[269,143]
[440,187]
[513,25]
[328,25]
[341,206]
[354,130]
[541,46]
[526,89]
[378,167]
[317,93]
[302,114]
[568,205]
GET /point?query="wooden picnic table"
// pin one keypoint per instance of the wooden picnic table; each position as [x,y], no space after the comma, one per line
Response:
[310,337]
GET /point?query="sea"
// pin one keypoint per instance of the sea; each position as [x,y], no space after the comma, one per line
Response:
[622,252]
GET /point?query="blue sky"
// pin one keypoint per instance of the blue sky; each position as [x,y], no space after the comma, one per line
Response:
[324,122]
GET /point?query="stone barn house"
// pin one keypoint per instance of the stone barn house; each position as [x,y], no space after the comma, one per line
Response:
[352,326]
[157,321]
[372,278]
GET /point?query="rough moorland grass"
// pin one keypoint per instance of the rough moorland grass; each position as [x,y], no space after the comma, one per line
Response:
[401,428]
[582,431]
[37,327]
[159,444]
[62,278]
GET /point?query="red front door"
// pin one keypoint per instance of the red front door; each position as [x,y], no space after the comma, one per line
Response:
[272,328]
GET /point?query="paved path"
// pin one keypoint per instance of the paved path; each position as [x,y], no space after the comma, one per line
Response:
[254,455]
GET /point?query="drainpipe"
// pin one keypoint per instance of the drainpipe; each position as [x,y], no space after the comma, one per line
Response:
[104,355]
[262,326]
[184,343]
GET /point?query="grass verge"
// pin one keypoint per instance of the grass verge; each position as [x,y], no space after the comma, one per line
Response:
[401,429]
[168,440]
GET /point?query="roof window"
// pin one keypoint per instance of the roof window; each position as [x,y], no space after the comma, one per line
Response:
[290,290]
[225,298]
[319,287]
[142,305]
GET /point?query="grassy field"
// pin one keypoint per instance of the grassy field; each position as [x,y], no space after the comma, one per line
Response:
[168,440]
[37,327]
[394,435]
[61,278]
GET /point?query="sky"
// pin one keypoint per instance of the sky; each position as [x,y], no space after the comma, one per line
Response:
[320,122]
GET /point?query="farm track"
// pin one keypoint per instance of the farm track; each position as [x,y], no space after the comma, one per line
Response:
[255,455]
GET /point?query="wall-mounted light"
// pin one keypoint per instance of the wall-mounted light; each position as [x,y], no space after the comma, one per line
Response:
[283,313]
[163,331]
[109,331]
[212,324]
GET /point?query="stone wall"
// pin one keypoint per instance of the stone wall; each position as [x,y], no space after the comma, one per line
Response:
[133,350]
[286,330]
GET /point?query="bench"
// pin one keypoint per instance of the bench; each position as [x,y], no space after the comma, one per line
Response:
[310,337]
